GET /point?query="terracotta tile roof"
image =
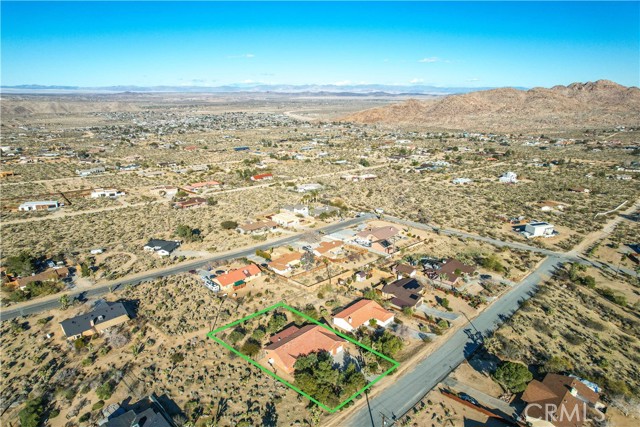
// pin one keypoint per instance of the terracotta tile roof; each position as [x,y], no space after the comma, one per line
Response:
[204,184]
[363,311]
[308,339]
[556,390]
[261,176]
[325,247]
[284,334]
[288,257]
[237,275]
[379,233]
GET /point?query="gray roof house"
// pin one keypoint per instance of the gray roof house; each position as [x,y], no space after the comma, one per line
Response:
[162,247]
[147,412]
[103,316]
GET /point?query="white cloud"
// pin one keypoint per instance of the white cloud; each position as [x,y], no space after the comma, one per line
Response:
[244,55]
[473,80]
[342,83]
[431,60]
[416,80]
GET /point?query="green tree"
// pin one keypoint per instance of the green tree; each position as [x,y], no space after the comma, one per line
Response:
[31,414]
[229,225]
[22,264]
[276,322]
[250,348]
[557,364]
[187,233]
[364,162]
[513,376]
[85,271]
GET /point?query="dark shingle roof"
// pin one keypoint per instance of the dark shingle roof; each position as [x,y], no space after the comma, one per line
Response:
[79,324]
[167,245]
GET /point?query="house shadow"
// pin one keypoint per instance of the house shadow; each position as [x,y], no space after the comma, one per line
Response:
[491,422]
[131,306]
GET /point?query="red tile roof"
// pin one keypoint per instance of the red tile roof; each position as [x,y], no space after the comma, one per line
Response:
[363,311]
[309,339]
[237,275]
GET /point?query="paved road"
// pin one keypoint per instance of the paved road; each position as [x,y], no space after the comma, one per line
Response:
[38,306]
[565,256]
[398,397]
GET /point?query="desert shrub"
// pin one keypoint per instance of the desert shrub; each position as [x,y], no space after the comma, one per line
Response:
[250,348]
[99,404]
[177,357]
[229,225]
[513,376]
[236,335]
[105,391]
[557,364]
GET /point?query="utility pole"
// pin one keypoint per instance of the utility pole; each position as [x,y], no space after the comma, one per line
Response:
[470,322]
[384,419]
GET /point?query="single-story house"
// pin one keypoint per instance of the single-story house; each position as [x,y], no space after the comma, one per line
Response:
[461,181]
[200,186]
[539,229]
[370,235]
[404,270]
[162,247]
[450,271]
[238,278]
[284,263]
[405,292]
[293,342]
[93,171]
[328,210]
[167,191]
[361,313]
[262,177]
[331,249]
[258,227]
[47,205]
[286,219]
[579,190]
[303,188]
[103,316]
[109,192]
[550,205]
[296,209]
[561,401]
[147,412]
[51,274]
[191,202]
[360,276]
[509,178]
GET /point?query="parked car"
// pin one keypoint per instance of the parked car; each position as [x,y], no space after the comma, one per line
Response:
[466,397]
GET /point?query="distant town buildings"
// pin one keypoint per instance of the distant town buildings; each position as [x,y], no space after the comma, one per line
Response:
[47,205]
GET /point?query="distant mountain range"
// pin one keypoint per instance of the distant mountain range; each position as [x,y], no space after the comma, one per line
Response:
[578,105]
[369,90]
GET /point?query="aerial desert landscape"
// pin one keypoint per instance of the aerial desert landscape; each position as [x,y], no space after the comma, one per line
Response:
[328,254]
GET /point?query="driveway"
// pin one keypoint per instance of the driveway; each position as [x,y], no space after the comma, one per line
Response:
[437,313]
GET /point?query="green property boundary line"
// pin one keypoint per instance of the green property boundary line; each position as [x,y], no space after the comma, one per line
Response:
[213,333]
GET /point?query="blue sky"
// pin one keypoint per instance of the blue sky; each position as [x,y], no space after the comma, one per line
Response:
[212,44]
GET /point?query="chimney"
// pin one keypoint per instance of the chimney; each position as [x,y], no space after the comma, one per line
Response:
[350,319]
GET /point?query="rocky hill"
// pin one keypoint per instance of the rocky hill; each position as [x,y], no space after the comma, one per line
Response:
[580,105]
